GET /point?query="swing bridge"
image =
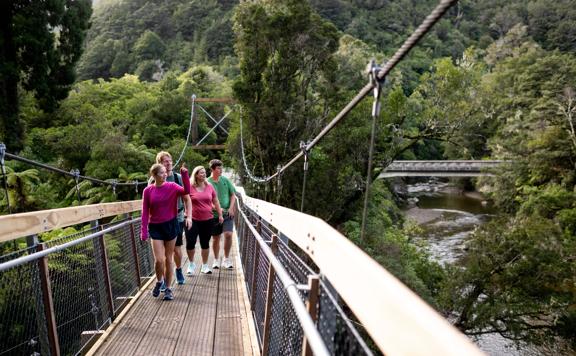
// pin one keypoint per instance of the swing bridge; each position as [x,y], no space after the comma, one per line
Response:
[298,287]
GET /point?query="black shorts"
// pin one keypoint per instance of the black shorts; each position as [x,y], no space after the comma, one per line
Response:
[180,232]
[202,229]
[226,226]
[167,230]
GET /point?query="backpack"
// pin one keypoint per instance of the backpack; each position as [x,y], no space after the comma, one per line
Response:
[178,179]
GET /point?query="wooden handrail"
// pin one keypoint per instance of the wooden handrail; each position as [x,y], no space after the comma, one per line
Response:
[393,315]
[25,224]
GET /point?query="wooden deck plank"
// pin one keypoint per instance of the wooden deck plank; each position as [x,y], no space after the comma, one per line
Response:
[207,317]
[163,333]
[197,329]
[127,336]
[228,333]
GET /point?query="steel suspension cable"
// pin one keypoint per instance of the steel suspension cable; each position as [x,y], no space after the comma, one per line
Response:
[410,43]
[248,171]
[189,130]
[69,174]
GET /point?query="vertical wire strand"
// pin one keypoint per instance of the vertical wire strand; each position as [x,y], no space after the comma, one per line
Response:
[375,114]
[5,176]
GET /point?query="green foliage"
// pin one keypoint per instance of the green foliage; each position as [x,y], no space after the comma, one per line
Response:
[286,65]
[129,36]
[21,186]
[41,43]
[112,130]
[149,46]
[388,245]
[517,280]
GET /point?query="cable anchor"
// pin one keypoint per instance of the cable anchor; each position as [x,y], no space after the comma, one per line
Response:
[378,83]
[136,186]
[114,183]
[305,152]
[278,183]
[76,174]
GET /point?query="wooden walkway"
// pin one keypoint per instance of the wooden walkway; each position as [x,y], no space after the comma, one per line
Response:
[208,316]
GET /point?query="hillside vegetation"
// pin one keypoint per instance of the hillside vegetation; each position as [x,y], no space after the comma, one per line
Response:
[494,79]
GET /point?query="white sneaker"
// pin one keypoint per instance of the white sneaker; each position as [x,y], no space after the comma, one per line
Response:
[216,264]
[205,269]
[227,263]
[191,268]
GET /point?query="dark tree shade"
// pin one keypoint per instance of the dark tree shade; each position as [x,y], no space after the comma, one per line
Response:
[40,42]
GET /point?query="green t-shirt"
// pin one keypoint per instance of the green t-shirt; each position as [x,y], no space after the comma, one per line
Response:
[224,188]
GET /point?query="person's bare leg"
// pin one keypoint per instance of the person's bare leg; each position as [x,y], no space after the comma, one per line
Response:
[190,254]
[178,256]
[205,253]
[159,258]
[169,253]
[216,246]
[227,243]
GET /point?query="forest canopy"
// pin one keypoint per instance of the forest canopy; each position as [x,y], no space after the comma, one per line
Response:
[494,79]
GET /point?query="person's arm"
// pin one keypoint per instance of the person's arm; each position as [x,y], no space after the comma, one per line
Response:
[188,210]
[232,192]
[232,208]
[216,204]
[185,180]
[145,215]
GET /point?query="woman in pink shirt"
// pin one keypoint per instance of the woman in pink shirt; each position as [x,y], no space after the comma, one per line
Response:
[203,197]
[160,221]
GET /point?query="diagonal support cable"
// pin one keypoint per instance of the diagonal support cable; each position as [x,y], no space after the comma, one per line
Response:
[213,119]
[212,129]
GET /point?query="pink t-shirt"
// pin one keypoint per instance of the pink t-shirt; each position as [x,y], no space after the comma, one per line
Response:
[160,204]
[202,202]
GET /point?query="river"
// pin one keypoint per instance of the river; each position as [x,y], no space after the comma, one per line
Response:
[447,218]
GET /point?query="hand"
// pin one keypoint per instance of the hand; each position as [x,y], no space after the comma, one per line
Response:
[220,219]
[188,223]
[183,168]
[143,238]
[232,211]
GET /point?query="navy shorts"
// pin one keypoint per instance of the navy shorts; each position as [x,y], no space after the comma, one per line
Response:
[226,226]
[167,230]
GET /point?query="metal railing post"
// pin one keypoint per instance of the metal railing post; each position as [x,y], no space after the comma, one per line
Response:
[44,341]
[102,291]
[244,244]
[135,252]
[49,313]
[269,295]
[106,270]
[311,306]
[255,271]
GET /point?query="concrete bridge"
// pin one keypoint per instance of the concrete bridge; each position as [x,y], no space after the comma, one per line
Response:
[460,168]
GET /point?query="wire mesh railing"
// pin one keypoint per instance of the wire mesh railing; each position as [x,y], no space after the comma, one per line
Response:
[52,293]
[278,325]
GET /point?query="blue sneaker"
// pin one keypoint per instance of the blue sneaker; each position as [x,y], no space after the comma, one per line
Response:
[163,286]
[156,290]
[179,276]
[168,294]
